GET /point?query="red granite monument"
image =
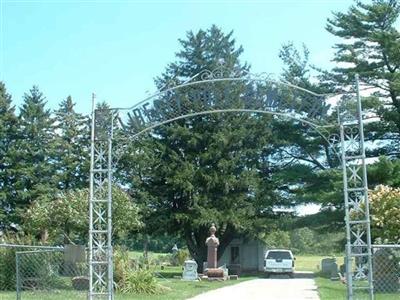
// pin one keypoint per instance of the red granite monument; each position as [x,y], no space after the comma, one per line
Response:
[212,243]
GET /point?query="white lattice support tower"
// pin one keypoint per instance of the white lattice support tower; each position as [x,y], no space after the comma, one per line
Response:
[100,231]
[358,235]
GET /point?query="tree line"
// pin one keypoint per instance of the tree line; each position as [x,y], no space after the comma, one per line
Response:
[42,153]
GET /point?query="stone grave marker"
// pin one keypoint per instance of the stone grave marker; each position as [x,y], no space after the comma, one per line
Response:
[330,268]
[190,270]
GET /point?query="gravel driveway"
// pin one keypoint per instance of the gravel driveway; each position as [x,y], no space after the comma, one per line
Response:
[280,288]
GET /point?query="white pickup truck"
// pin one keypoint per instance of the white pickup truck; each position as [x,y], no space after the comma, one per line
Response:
[279,261]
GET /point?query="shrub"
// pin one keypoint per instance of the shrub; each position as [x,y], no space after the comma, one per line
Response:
[121,264]
[131,277]
[7,269]
[181,256]
[385,213]
[7,260]
[140,281]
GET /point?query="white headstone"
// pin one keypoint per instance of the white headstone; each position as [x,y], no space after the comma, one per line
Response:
[189,270]
[225,269]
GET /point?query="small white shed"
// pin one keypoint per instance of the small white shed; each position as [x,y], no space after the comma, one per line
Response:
[243,256]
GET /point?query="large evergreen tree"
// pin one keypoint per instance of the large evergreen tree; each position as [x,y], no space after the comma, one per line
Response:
[8,135]
[225,168]
[202,169]
[370,47]
[72,142]
[313,175]
[34,154]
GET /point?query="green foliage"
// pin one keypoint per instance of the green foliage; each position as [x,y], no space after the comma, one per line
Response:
[7,259]
[231,169]
[8,137]
[131,278]
[72,143]
[181,256]
[278,239]
[162,243]
[369,45]
[121,262]
[385,213]
[39,154]
[140,281]
[65,217]
[201,169]
[306,241]
[7,270]
[302,240]
[33,154]
[385,171]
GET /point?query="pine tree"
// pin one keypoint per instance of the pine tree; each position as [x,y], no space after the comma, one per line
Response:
[370,48]
[8,135]
[71,152]
[202,169]
[34,154]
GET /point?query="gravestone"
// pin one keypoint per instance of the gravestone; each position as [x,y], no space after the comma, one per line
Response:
[225,271]
[329,267]
[80,283]
[212,243]
[190,270]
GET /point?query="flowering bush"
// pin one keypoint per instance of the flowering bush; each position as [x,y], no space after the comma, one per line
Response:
[385,213]
[66,216]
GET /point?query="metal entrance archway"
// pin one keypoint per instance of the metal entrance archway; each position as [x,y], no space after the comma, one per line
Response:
[230,92]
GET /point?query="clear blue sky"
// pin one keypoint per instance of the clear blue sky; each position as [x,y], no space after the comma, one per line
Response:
[116,48]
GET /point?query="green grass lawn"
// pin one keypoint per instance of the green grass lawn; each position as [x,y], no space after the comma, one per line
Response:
[176,289]
[138,254]
[327,289]
[313,262]
[335,290]
[179,290]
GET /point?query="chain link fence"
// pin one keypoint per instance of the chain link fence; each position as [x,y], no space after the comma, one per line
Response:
[36,272]
[8,263]
[386,270]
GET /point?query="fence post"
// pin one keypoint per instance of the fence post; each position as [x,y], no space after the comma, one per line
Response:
[18,278]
